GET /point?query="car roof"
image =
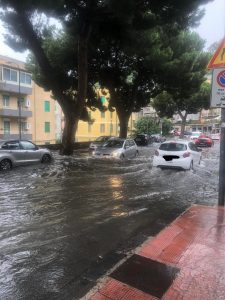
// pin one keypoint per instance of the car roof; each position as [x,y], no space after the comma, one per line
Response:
[177,141]
[116,138]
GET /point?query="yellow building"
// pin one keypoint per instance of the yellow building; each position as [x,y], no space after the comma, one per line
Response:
[29,112]
[26,110]
[105,123]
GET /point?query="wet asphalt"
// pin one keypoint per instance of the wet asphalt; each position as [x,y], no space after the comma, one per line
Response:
[63,225]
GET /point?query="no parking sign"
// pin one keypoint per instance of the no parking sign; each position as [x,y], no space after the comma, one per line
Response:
[218,88]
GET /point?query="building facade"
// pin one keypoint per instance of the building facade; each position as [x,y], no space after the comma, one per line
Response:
[104,123]
[26,110]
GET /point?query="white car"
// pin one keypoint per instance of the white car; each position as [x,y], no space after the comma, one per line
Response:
[195,135]
[177,154]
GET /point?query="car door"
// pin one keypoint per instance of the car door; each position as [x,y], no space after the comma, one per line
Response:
[126,149]
[13,150]
[31,152]
[132,148]
[195,152]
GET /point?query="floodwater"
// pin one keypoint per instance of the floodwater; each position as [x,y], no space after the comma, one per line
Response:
[63,225]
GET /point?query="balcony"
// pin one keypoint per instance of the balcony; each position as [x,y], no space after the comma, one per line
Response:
[14,88]
[24,136]
[9,112]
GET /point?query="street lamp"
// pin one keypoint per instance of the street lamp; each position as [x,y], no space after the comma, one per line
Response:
[19,108]
[19,102]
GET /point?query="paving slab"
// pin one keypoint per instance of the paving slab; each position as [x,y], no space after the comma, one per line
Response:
[186,260]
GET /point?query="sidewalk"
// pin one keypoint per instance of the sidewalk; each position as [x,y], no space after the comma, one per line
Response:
[186,260]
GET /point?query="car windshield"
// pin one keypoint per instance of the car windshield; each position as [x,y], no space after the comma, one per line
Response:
[195,133]
[114,144]
[173,147]
[101,139]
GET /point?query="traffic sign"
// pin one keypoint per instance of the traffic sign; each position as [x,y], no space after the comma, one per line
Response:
[218,88]
[218,59]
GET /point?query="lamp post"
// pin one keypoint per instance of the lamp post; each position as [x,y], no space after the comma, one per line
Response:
[19,108]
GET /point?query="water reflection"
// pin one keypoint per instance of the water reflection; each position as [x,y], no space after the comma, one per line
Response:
[57,220]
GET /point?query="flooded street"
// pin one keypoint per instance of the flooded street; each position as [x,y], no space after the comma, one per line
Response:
[65,224]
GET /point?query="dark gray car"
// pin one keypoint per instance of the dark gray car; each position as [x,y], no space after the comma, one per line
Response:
[18,152]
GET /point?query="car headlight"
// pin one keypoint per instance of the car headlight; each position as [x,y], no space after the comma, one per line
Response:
[116,153]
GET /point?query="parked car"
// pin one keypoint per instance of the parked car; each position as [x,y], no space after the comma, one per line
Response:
[18,152]
[195,135]
[117,148]
[142,139]
[187,134]
[215,136]
[177,154]
[157,138]
[204,141]
[99,142]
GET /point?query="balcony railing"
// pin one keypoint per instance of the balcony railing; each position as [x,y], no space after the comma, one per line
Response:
[26,135]
[14,88]
[10,112]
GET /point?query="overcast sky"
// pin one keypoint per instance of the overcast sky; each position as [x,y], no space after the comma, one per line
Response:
[212,29]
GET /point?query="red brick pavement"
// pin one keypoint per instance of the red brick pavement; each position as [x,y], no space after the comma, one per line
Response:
[195,244]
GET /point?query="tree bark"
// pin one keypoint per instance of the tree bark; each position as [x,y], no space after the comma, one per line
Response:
[123,120]
[183,123]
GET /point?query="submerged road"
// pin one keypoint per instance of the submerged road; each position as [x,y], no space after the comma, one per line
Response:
[64,225]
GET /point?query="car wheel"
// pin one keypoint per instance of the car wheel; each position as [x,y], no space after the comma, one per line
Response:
[5,165]
[46,158]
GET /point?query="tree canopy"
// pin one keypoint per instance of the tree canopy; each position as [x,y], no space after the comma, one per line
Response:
[85,23]
[184,82]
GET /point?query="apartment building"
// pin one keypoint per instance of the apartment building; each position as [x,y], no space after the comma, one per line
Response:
[26,110]
[105,123]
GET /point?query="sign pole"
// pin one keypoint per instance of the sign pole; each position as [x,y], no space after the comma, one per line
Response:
[221,199]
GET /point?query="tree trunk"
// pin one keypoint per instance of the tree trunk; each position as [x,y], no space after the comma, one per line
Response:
[183,123]
[69,131]
[123,117]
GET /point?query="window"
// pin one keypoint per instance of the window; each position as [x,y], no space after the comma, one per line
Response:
[5,99]
[47,106]
[6,127]
[193,147]
[21,101]
[9,75]
[102,128]
[111,128]
[25,126]
[12,145]
[102,114]
[28,145]
[47,127]
[25,78]
[173,147]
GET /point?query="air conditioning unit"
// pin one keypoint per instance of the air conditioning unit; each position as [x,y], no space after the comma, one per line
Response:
[27,103]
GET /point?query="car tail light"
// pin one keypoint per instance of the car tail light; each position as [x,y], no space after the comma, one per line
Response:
[186,154]
[156,152]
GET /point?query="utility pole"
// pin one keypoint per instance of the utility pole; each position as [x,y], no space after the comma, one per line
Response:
[217,64]
[222,160]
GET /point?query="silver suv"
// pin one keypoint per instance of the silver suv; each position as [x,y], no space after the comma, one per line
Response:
[18,152]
